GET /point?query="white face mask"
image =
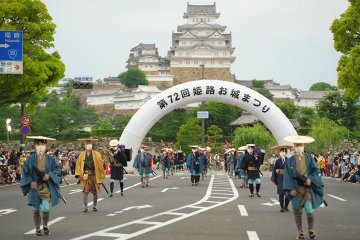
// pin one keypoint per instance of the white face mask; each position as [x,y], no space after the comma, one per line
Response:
[299,149]
[282,154]
[88,147]
[250,150]
[40,149]
[193,150]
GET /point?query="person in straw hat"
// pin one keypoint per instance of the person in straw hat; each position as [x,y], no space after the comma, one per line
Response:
[166,162]
[40,180]
[89,172]
[277,176]
[195,165]
[302,184]
[118,161]
[142,163]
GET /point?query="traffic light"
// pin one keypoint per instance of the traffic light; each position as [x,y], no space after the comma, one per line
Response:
[82,85]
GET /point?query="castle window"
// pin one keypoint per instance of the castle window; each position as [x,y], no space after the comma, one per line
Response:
[212,62]
[187,62]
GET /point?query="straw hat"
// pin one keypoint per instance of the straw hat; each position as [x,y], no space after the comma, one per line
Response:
[250,145]
[278,147]
[242,148]
[299,139]
[41,138]
[114,143]
[194,146]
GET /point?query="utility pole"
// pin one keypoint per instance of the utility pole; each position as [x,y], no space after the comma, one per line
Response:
[202,109]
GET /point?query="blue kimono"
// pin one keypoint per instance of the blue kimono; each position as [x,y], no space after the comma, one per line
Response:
[52,168]
[196,166]
[239,160]
[146,164]
[290,183]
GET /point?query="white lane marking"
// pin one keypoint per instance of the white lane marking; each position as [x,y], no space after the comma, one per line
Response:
[184,177]
[274,202]
[333,196]
[177,217]
[242,210]
[73,191]
[91,203]
[6,211]
[49,224]
[166,189]
[137,207]
[111,215]
[252,235]
[71,184]
[137,184]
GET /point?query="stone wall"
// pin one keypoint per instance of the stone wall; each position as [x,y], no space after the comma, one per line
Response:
[182,75]
[162,85]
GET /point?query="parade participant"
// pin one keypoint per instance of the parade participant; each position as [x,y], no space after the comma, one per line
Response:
[278,175]
[40,180]
[195,165]
[142,163]
[239,159]
[117,163]
[166,163]
[302,184]
[206,161]
[251,165]
[230,161]
[89,172]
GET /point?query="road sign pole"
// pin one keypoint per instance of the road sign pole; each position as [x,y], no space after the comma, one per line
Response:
[202,109]
[22,137]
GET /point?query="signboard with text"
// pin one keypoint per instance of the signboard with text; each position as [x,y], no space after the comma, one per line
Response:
[11,52]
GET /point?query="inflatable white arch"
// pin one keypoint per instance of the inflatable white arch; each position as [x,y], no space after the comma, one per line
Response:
[200,91]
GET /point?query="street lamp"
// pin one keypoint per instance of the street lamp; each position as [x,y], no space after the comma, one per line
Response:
[8,130]
[202,109]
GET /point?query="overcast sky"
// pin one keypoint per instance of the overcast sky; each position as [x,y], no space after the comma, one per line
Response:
[288,41]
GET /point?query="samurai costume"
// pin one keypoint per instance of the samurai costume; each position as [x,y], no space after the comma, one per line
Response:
[47,192]
[278,178]
[117,165]
[90,173]
[251,165]
[298,169]
[196,165]
[142,163]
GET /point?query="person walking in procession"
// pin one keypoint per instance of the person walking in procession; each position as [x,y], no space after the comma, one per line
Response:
[251,165]
[142,163]
[195,165]
[118,161]
[278,176]
[303,184]
[89,172]
[40,180]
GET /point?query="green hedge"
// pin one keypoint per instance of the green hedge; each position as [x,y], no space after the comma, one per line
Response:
[303,130]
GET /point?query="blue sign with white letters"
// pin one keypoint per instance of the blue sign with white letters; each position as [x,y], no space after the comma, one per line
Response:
[11,52]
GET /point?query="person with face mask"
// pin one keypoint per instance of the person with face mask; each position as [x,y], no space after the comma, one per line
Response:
[251,165]
[142,163]
[195,165]
[277,176]
[302,184]
[118,161]
[89,172]
[40,180]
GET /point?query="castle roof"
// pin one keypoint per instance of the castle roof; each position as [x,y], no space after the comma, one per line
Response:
[201,9]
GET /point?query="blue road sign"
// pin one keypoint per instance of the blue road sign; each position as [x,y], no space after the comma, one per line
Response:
[25,130]
[11,52]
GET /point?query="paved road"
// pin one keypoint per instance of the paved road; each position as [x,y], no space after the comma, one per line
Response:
[173,209]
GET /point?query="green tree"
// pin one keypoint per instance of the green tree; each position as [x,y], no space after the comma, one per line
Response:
[188,134]
[257,134]
[222,114]
[121,122]
[288,108]
[322,86]
[41,68]
[103,124]
[214,135]
[347,41]
[327,134]
[259,86]
[338,108]
[167,127]
[133,77]
[307,116]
